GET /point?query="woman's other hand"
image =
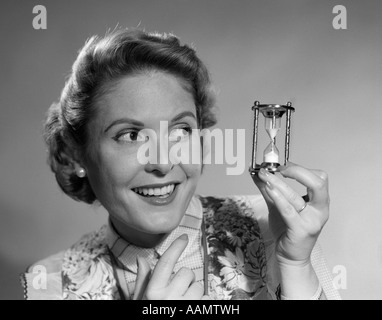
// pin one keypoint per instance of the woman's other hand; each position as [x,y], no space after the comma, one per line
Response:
[161,284]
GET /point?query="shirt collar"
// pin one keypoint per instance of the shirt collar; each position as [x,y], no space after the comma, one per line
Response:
[127,253]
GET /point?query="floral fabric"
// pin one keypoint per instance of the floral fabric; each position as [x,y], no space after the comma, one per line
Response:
[240,258]
[236,254]
[87,273]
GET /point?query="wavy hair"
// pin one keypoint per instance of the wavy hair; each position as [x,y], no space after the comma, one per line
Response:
[101,62]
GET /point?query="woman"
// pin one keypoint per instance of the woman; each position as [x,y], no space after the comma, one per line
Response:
[162,241]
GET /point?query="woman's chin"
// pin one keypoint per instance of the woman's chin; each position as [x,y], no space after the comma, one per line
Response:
[161,226]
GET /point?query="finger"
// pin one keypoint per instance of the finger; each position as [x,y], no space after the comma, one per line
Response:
[315,180]
[181,281]
[288,213]
[256,179]
[165,266]
[320,173]
[195,292]
[261,185]
[143,277]
[291,195]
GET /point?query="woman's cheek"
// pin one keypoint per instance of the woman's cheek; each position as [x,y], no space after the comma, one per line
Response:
[113,167]
[192,170]
[124,167]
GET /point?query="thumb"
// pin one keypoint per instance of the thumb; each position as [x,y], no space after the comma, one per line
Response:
[143,277]
[261,185]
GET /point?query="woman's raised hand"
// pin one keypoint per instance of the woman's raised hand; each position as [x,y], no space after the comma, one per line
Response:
[296,224]
[161,284]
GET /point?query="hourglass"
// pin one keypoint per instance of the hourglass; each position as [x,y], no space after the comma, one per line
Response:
[272,114]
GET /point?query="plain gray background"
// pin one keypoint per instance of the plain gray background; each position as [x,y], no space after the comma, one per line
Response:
[272,51]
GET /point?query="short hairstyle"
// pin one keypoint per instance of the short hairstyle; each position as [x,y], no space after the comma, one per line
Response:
[101,62]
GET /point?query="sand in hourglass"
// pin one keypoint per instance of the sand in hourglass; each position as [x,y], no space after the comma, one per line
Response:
[271,153]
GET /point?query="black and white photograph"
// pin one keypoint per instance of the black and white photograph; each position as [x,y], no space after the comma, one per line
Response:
[191,150]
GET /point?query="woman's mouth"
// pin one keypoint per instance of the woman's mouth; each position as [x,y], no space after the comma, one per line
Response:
[158,195]
[160,192]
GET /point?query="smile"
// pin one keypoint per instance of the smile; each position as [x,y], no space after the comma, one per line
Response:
[162,192]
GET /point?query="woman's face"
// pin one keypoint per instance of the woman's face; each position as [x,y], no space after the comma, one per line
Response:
[142,199]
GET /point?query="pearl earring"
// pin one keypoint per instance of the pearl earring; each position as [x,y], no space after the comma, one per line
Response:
[81,172]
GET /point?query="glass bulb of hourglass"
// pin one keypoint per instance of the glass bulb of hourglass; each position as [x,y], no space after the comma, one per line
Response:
[272,126]
[271,153]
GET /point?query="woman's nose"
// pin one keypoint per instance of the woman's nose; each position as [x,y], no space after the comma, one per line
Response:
[161,164]
[159,168]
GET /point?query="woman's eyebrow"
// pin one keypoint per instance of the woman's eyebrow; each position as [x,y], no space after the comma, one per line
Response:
[123,121]
[183,115]
[141,124]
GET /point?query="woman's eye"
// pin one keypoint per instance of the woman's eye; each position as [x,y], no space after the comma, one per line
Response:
[132,136]
[179,134]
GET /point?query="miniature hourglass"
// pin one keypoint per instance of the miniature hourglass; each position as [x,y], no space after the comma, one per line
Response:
[272,114]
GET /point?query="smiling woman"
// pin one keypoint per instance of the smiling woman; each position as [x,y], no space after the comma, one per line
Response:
[142,217]
[162,241]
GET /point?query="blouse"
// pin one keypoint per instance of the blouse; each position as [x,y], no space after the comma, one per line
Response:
[237,258]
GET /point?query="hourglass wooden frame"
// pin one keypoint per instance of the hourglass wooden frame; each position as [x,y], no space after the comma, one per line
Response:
[272,114]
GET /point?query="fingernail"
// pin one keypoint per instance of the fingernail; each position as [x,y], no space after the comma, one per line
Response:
[264,172]
[184,237]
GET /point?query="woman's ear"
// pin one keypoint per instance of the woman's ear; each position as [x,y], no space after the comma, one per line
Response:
[78,165]
[73,164]
[80,171]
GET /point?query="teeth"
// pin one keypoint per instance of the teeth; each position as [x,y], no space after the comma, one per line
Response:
[164,191]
